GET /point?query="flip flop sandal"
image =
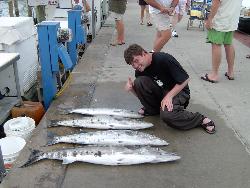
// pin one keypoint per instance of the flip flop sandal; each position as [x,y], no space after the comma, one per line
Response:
[113,44]
[149,24]
[208,80]
[210,123]
[229,77]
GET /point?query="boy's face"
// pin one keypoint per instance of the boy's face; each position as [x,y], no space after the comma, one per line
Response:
[140,62]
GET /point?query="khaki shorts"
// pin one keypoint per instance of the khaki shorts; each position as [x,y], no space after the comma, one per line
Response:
[116,16]
[181,7]
[218,37]
[161,21]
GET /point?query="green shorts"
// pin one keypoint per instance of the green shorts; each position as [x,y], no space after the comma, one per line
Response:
[218,37]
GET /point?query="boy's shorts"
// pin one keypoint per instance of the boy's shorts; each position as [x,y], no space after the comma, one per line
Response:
[161,21]
[116,16]
[219,37]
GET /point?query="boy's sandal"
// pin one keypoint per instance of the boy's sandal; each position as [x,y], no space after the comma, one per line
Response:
[209,124]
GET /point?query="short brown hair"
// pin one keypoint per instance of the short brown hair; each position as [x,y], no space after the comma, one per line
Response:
[131,51]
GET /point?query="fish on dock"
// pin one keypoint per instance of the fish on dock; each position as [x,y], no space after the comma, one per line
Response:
[110,137]
[107,111]
[105,155]
[102,122]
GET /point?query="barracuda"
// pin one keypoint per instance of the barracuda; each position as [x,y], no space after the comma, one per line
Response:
[110,137]
[107,111]
[103,122]
[105,155]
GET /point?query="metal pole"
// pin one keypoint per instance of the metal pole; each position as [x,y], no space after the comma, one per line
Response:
[2,168]
[93,19]
[17,83]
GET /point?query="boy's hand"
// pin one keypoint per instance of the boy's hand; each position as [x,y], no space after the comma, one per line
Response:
[167,101]
[129,85]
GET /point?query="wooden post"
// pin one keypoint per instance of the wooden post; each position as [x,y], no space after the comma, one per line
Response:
[29,10]
[10,5]
[16,8]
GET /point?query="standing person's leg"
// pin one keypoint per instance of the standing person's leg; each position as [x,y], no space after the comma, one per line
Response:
[120,31]
[157,36]
[216,38]
[216,60]
[175,19]
[148,16]
[162,24]
[143,7]
[119,25]
[180,16]
[230,56]
[180,9]
[162,37]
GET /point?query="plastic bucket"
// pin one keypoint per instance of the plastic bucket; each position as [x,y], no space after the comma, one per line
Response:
[11,147]
[30,109]
[20,126]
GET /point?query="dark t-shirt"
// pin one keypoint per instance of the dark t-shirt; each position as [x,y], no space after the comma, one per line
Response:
[166,71]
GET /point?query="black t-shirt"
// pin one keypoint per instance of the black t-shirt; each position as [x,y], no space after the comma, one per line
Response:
[166,71]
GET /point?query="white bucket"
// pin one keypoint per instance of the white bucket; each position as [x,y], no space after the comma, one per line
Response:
[11,147]
[20,126]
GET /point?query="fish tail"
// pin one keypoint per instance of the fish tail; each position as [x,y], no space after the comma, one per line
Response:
[51,142]
[51,138]
[65,111]
[35,156]
[53,123]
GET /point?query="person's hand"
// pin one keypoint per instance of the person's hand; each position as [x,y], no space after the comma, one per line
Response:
[208,24]
[164,10]
[129,85]
[171,11]
[167,101]
[167,10]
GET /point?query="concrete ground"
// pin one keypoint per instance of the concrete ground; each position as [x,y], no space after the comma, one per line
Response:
[208,161]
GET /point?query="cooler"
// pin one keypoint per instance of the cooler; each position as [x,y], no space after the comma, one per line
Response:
[18,35]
